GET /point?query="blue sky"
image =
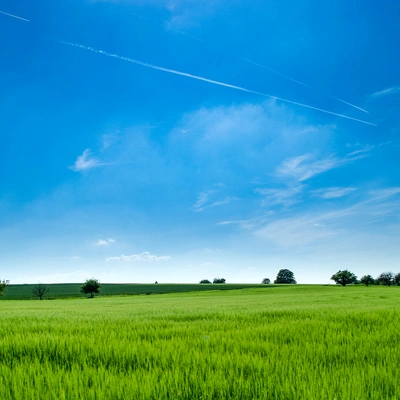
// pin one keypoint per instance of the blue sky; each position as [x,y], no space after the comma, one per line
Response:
[183,140]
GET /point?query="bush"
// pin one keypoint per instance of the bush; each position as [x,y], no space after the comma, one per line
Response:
[205,281]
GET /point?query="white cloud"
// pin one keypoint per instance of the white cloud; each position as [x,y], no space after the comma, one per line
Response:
[333,192]
[202,199]
[104,242]
[84,162]
[286,196]
[304,167]
[385,92]
[146,256]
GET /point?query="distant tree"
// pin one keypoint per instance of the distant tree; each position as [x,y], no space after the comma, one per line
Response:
[386,278]
[397,279]
[91,286]
[344,277]
[156,283]
[219,280]
[205,281]
[367,280]
[285,276]
[3,284]
[266,281]
[40,290]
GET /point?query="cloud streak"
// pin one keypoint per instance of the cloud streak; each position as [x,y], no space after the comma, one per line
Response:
[305,84]
[385,92]
[14,16]
[84,162]
[146,256]
[175,72]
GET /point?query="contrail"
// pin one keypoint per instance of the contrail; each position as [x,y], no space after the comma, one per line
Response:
[171,29]
[305,84]
[14,16]
[172,71]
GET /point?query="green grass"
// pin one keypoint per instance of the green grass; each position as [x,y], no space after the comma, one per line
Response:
[293,342]
[68,290]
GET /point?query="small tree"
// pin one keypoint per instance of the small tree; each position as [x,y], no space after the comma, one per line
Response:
[205,281]
[40,290]
[219,280]
[3,284]
[91,286]
[397,279]
[266,281]
[386,278]
[367,280]
[285,276]
[344,277]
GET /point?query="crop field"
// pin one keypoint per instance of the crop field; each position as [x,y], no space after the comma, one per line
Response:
[289,342]
[69,290]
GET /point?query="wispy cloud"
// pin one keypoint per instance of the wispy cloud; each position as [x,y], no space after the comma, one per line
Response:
[146,256]
[203,201]
[385,92]
[305,84]
[104,242]
[304,167]
[333,192]
[14,16]
[284,196]
[84,162]
[172,71]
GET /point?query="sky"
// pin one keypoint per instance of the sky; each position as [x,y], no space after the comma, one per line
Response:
[175,141]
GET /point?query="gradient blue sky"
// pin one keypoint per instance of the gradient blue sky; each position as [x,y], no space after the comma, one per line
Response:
[120,171]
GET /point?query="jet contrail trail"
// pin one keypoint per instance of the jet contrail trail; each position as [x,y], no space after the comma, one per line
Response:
[305,84]
[172,71]
[165,27]
[14,16]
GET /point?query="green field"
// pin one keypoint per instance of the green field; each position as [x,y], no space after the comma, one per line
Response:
[292,342]
[68,290]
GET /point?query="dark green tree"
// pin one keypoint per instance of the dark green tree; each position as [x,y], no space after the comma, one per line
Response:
[344,277]
[3,284]
[397,279]
[285,276]
[205,281]
[40,290]
[219,280]
[266,281]
[367,280]
[386,278]
[91,286]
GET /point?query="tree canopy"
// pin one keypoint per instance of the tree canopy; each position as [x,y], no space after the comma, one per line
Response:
[285,276]
[266,281]
[40,290]
[91,286]
[3,284]
[386,278]
[367,280]
[219,280]
[344,277]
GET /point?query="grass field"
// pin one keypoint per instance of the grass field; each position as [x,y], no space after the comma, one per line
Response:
[292,342]
[68,290]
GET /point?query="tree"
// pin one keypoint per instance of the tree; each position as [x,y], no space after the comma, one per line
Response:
[367,280]
[219,280]
[3,284]
[285,276]
[40,290]
[91,286]
[344,277]
[205,281]
[266,281]
[397,279]
[386,278]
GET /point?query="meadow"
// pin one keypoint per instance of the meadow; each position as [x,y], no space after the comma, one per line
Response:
[281,342]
